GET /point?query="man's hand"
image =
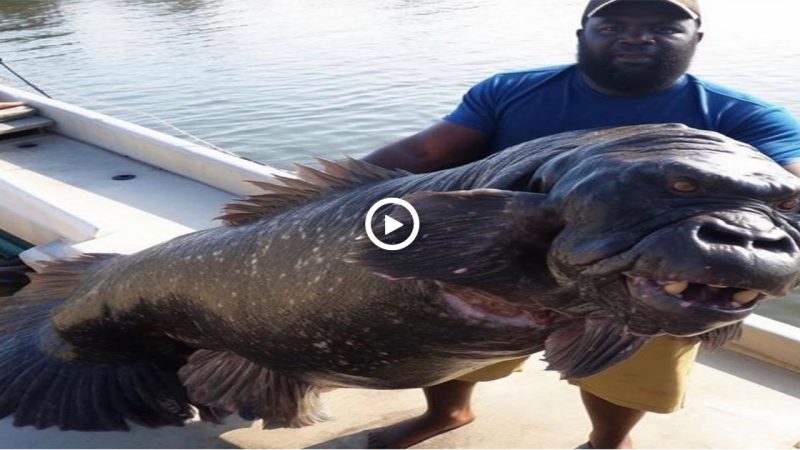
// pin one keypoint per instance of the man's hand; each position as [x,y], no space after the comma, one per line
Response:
[794,168]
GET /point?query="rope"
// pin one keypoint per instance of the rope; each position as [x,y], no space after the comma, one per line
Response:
[145,114]
[23,79]
[123,108]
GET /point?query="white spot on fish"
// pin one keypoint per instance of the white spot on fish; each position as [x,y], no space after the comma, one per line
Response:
[460,271]
[321,345]
[234,294]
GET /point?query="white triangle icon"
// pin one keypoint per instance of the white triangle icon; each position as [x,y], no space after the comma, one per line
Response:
[390,225]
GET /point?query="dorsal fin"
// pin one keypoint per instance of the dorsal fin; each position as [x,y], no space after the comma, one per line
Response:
[59,278]
[310,183]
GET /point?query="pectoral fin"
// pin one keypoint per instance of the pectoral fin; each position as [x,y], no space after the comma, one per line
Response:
[718,337]
[585,348]
[226,382]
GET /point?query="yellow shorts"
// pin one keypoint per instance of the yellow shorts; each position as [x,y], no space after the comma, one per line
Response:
[653,379]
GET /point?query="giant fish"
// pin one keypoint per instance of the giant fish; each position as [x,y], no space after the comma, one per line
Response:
[583,244]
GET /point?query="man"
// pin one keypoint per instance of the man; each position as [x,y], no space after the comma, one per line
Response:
[632,62]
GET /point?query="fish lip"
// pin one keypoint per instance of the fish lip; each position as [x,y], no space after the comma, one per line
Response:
[647,292]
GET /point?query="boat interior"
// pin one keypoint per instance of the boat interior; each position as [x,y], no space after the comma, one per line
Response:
[75,181]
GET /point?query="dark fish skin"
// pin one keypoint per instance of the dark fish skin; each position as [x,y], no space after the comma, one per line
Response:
[279,293]
[558,244]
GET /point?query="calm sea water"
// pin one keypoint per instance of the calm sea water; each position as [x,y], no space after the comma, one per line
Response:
[283,80]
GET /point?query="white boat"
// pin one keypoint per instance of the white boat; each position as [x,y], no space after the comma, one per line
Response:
[75,181]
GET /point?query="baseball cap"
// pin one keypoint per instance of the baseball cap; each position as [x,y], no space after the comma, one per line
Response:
[690,7]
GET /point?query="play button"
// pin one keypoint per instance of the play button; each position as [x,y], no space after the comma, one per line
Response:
[390,224]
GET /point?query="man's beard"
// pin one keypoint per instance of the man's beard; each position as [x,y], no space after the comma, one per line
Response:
[665,69]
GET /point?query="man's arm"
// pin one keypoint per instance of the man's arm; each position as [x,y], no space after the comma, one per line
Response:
[442,145]
[794,168]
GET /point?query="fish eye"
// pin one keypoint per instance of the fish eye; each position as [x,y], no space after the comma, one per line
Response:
[684,185]
[790,204]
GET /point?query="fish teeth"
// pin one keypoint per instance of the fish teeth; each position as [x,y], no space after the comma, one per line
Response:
[675,287]
[745,297]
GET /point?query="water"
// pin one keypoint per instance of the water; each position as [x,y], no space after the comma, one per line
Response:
[283,80]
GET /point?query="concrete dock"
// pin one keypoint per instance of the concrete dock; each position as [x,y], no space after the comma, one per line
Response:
[733,402]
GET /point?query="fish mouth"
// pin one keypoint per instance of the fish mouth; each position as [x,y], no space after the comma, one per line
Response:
[483,307]
[688,307]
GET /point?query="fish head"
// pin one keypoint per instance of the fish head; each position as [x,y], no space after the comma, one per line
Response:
[672,230]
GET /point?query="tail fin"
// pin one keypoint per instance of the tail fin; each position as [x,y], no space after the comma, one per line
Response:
[46,382]
[13,275]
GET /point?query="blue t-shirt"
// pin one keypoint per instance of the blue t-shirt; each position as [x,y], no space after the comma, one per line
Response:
[516,107]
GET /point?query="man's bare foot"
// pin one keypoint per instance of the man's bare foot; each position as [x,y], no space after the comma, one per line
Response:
[448,408]
[413,431]
[611,423]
